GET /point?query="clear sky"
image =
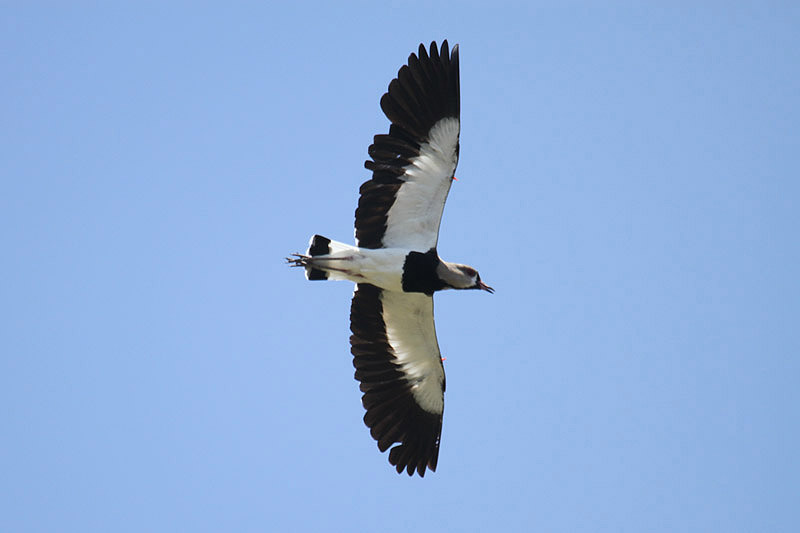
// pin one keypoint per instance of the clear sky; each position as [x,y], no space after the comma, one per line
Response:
[628,183]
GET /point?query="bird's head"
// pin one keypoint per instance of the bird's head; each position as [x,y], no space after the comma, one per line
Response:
[458,276]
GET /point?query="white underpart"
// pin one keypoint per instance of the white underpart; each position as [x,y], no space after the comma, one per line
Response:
[413,220]
[382,267]
[412,335]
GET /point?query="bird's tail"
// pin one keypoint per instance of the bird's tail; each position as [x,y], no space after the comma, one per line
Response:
[321,257]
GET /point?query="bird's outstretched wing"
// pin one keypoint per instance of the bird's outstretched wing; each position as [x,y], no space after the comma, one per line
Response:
[413,165]
[397,361]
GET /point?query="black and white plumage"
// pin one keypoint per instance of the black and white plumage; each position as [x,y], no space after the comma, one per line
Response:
[395,264]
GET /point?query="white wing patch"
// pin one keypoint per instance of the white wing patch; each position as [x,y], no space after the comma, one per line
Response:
[413,220]
[411,333]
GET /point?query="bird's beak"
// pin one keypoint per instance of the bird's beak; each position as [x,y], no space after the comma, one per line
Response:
[484,287]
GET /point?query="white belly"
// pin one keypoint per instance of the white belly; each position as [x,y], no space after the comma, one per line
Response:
[382,267]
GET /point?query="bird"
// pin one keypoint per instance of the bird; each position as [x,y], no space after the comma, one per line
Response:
[395,264]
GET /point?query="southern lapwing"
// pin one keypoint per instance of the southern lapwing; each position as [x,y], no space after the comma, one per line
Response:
[395,264]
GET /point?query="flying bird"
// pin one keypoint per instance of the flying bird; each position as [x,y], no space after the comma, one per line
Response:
[395,264]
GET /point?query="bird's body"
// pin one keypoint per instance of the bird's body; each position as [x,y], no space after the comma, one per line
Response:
[382,267]
[391,269]
[395,264]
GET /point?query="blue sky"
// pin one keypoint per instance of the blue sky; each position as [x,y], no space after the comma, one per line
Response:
[628,183]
